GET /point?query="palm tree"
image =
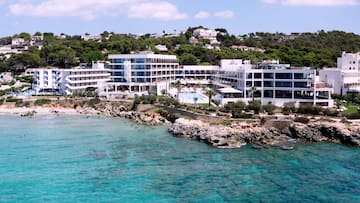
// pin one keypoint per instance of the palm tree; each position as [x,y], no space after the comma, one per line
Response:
[195,100]
[253,90]
[177,84]
[210,93]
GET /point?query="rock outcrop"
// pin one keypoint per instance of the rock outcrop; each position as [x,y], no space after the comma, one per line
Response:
[263,136]
[117,110]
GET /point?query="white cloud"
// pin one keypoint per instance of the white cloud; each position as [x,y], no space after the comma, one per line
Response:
[224,14]
[269,1]
[160,10]
[320,2]
[313,2]
[91,9]
[202,15]
[2,2]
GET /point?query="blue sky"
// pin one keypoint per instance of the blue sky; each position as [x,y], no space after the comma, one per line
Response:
[154,16]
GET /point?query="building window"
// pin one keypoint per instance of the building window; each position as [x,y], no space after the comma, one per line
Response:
[283,94]
[248,84]
[268,93]
[249,76]
[268,84]
[283,76]
[118,60]
[257,75]
[283,84]
[300,84]
[299,76]
[268,75]
[257,84]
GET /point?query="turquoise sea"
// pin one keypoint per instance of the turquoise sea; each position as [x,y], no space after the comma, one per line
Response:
[99,159]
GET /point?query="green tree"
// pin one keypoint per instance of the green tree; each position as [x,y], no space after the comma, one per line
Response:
[92,56]
[188,59]
[210,93]
[178,85]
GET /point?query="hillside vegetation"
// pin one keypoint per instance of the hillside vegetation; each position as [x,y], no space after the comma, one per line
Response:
[317,50]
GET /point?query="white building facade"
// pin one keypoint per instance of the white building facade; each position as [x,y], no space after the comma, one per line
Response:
[77,80]
[46,81]
[141,73]
[346,77]
[270,83]
[69,81]
[196,74]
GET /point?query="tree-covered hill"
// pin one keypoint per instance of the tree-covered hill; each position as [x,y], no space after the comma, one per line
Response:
[317,50]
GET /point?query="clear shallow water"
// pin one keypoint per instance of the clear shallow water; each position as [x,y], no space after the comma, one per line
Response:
[79,159]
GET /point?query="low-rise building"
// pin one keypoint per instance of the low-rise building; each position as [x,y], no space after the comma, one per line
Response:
[46,80]
[6,77]
[270,83]
[346,77]
[69,81]
[196,74]
[89,37]
[161,48]
[19,43]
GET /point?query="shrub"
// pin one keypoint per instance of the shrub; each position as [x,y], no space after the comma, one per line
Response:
[233,107]
[169,116]
[301,119]
[40,102]
[241,115]
[269,108]
[93,102]
[355,115]
[167,101]
[289,107]
[11,99]
[255,106]
[330,112]
[19,103]
[309,109]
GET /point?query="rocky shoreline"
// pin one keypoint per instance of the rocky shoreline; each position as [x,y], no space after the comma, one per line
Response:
[260,133]
[267,134]
[116,110]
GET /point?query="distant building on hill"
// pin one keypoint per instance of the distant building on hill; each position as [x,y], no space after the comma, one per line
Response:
[89,37]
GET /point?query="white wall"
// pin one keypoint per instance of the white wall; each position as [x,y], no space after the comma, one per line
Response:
[332,78]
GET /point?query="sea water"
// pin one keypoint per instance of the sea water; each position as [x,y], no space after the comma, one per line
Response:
[99,159]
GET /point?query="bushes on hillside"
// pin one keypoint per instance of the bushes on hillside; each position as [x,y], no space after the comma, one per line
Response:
[309,109]
[41,102]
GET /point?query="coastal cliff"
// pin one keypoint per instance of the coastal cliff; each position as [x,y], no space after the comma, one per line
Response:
[263,135]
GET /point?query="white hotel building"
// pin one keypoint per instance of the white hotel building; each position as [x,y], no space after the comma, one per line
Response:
[78,79]
[346,77]
[69,81]
[193,74]
[274,83]
[141,73]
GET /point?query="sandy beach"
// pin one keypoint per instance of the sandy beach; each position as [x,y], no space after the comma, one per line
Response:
[38,110]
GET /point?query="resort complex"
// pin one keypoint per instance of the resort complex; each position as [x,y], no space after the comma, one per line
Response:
[233,80]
